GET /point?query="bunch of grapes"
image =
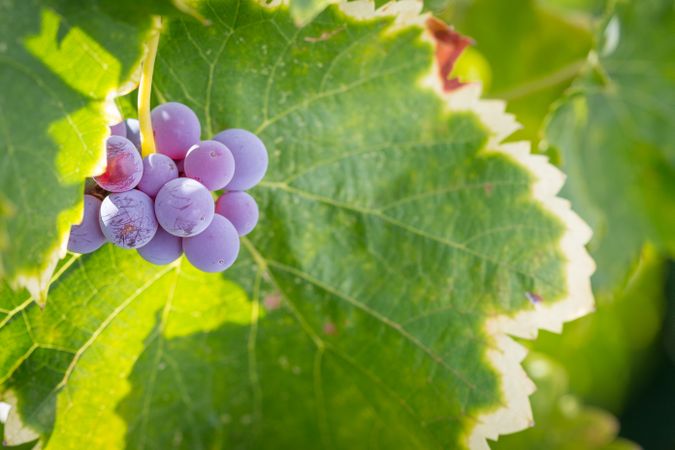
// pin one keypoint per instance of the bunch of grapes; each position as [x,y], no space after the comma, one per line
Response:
[163,205]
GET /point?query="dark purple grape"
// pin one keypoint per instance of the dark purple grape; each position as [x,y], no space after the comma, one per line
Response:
[158,169]
[210,163]
[250,158]
[87,236]
[240,209]
[176,129]
[184,207]
[162,249]
[215,249]
[124,166]
[128,219]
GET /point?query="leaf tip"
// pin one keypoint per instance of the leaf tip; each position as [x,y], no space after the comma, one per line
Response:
[449,46]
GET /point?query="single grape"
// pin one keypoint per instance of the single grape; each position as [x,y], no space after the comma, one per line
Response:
[124,167]
[240,209]
[176,129]
[134,132]
[162,249]
[215,249]
[250,158]
[158,169]
[184,207]
[210,163]
[118,129]
[128,219]
[87,236]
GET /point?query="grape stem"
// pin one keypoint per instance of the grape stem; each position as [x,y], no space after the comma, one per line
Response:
[145,90]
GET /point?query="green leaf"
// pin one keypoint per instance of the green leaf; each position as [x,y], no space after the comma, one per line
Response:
[60,64]
[400,244]
[562,421]
[623,330]
[615,131]
[305,10]
[534,53]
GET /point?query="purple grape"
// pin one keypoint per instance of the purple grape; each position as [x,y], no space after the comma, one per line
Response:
[250,158]
[118,130]
[240,209]
[124,167]
[162,249]
[210,163]
[128,219]
[215,249]
[176,129]
[158,169]
[133,132]
[87,236]
[184,207]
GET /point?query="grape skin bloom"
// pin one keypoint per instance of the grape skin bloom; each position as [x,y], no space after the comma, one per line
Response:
[176,129]
[184,207]
[211,163]
[87,236]
[215,249]
[250,157]
[158,169]
[239,208]
[127,219]
[162,249]
[124,166]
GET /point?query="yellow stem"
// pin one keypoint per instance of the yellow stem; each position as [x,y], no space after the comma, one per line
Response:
[145,89]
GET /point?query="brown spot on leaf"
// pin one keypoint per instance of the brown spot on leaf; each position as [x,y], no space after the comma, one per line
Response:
[272,301]
[488,187]
[449,45]
[324,36]
[329,328]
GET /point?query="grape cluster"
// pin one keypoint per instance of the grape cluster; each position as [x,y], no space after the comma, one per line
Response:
[163,205]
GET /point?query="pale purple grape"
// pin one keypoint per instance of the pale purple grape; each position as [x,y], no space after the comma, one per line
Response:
[162,249]
[176,129]
[250,158]
[128,219]
[124,166]
[118,129]
[240,209]
[87,236]
[133,127]
[215,249]
[158,169]
[210,163]
[184,207]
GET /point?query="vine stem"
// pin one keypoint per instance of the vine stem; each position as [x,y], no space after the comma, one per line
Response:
[145,90]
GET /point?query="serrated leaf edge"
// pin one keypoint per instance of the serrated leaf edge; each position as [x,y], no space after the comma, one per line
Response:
[506,357]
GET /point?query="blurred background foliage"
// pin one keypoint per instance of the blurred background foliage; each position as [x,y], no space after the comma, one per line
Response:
[593,83]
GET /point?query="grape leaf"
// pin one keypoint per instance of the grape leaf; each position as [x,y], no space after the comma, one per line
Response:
[615,132]
[534,53]
[623,330]
[61,62]
[400,244]
[305,10]
[562,421]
